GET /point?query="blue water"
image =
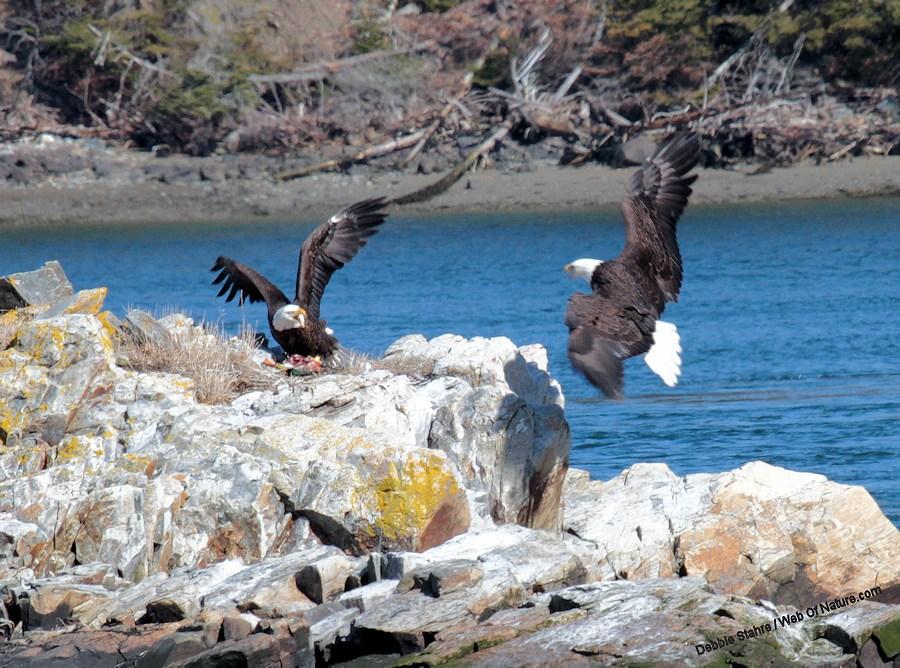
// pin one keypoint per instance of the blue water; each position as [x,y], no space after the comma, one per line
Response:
[789,317]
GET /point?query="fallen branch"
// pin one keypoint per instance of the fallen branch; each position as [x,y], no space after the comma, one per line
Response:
[443,184]
[362,156]
[844,151]
[431,129]
[323,70]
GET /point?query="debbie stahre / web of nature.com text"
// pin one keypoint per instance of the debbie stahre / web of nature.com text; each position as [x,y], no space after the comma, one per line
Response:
[786,620]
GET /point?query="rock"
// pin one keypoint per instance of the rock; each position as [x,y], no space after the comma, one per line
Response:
[86,648]
[755,531]
[160,598]
[637,149]
[53,605]
[84,301]
[141,326]
[46,285]
[640,543]
[794,557]
[507,417]
[442,578]
[462,581]
[286,585]
[887,637]
[658,622]
[237,628]
[329,623]
[413,507]
[212,171]
[259,649]
[852,628]
[369,595]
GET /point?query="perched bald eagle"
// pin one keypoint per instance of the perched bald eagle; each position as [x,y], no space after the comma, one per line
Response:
[620,318]
[296,324]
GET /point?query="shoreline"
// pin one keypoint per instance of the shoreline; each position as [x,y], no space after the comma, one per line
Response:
[88,200]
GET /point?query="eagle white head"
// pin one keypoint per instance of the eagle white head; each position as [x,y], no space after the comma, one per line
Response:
[583,268]
[289,316]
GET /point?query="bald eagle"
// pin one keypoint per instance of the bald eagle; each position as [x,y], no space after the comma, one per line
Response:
[620,318]
[295,324]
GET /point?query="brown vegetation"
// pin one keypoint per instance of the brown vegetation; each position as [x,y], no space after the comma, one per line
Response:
[220,368]
[369,80]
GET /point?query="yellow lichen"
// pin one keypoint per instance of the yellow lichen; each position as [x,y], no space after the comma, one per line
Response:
[408,497]
[186,385]
[70,449]
[44,333]
[10,318]
[106,322]
[134,463]
[87,301]
[11,420]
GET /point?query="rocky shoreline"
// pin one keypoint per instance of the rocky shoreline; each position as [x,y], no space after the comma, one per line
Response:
[54,180]
[412,510]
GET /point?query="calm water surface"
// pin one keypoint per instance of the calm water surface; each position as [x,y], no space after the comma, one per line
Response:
[789,317]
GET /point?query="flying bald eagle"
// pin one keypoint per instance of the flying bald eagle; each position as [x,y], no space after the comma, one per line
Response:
[620,318]
[296,324]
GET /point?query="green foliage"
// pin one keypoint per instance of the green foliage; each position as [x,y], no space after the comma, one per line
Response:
[853,39]
[495,71]
[369,37]
[437,5]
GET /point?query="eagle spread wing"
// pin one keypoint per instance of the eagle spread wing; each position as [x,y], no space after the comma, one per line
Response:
[239,279]
[657,195]
[331,245]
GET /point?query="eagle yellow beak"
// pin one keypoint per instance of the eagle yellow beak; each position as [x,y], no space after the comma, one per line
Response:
[301,316]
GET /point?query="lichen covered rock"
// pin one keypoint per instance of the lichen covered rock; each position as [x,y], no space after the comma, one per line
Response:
[413,507]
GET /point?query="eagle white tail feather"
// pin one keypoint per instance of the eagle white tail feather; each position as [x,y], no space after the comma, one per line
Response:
[664,357]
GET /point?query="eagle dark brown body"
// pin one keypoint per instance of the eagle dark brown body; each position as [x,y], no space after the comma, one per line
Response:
[620,318]
[296,324]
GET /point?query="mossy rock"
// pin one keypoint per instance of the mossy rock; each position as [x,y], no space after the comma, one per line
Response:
[753,652]
[888,638]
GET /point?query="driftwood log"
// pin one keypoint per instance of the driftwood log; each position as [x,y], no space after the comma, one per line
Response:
[455,174]
[362,156]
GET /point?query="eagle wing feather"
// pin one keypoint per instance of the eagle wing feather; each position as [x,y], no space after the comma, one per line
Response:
[657,195]
[331,245]
[249,284]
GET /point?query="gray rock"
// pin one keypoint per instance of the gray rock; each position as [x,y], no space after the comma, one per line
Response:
[365,597]
[46,285]
[660,622]
[142,326]
[504,427]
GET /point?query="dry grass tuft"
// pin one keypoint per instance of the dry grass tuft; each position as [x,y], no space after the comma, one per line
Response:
[407,365]
[352,362]
[221,369]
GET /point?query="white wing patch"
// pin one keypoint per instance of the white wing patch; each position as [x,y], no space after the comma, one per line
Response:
[664,357]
